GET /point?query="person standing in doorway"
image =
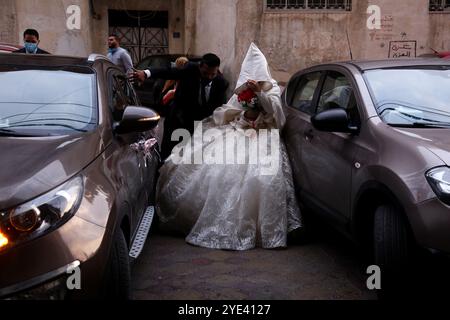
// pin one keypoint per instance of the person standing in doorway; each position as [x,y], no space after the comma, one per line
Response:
[119,56]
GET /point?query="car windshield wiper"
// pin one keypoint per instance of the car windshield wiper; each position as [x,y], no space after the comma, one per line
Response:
[422,125]
[12,133]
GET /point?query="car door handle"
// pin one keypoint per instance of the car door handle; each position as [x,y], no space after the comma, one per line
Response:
[309,134]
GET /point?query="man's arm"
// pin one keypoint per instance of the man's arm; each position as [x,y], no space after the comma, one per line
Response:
[164,73]
[127,62]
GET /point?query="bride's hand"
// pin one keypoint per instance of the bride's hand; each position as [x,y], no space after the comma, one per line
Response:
[254,86]
[251,115]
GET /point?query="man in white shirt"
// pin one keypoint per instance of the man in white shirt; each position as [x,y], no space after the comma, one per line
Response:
[119,56]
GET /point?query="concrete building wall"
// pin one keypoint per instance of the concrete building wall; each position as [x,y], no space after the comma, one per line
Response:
[290,39]
[214,31]
[439,32]
[8,22]
[49,17]
[296,39]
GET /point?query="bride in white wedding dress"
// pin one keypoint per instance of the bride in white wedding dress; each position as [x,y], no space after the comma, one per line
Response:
[246,198]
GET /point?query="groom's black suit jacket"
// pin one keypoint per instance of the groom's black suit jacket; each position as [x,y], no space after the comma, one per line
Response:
[38,51]
[187,97]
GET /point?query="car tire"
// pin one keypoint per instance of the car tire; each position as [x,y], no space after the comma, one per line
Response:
[391,239]
[118,281]
[392,247]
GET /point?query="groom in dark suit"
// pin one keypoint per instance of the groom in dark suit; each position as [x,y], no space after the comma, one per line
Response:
[201,90]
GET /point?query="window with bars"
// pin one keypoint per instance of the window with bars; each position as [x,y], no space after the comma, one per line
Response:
[439,5]
[339,5]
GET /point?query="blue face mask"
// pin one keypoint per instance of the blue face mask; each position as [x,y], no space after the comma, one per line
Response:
[31,47]
[112,50]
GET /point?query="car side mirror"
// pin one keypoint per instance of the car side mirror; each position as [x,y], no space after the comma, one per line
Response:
[137,119]
[333,120]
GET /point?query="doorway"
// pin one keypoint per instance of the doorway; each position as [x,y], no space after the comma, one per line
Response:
[142,33]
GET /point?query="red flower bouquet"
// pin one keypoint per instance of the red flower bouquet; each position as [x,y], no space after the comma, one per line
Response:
[248,99]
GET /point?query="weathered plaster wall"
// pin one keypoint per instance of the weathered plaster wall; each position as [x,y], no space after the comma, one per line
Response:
[439,32]
[216,31]
[407,20]
[8,22]
[292,40]
[49,18]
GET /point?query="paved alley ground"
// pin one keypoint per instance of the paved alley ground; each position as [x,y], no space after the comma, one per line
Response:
[170,269]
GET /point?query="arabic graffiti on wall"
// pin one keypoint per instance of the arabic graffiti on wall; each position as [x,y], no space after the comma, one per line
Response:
[402,49]
[386,33]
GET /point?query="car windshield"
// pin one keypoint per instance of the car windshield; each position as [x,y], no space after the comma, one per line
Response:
[46,102]
[416,97]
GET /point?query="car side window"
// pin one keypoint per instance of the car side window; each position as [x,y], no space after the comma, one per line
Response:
[337,92]
[118,99]
[160,63]
[130,93]
[303,96]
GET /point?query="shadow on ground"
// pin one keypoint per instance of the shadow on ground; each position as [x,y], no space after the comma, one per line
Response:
[327,267]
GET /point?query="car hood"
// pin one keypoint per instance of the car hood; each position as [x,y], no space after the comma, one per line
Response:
[30,167]
[435,140]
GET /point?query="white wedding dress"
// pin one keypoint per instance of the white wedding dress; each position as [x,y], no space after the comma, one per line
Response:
[233,205]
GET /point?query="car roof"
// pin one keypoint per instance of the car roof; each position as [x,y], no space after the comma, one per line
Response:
[364,65]
[48,60]
[7,47]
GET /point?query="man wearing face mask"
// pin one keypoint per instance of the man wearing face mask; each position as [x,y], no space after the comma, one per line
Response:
[31,43]
[119,56]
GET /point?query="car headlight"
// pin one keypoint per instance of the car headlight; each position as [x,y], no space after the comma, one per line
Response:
[41,215]
[439,179]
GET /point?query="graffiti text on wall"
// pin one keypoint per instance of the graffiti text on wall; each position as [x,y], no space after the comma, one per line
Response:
[386,32]
[402,49]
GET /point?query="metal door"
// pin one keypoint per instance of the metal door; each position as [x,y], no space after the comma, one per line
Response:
[142,33]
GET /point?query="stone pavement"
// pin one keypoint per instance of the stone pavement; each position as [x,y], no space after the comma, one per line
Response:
[170,269]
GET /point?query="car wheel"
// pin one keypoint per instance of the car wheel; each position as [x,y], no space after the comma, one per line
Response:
[392,247]
[391,239]
[117,285]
